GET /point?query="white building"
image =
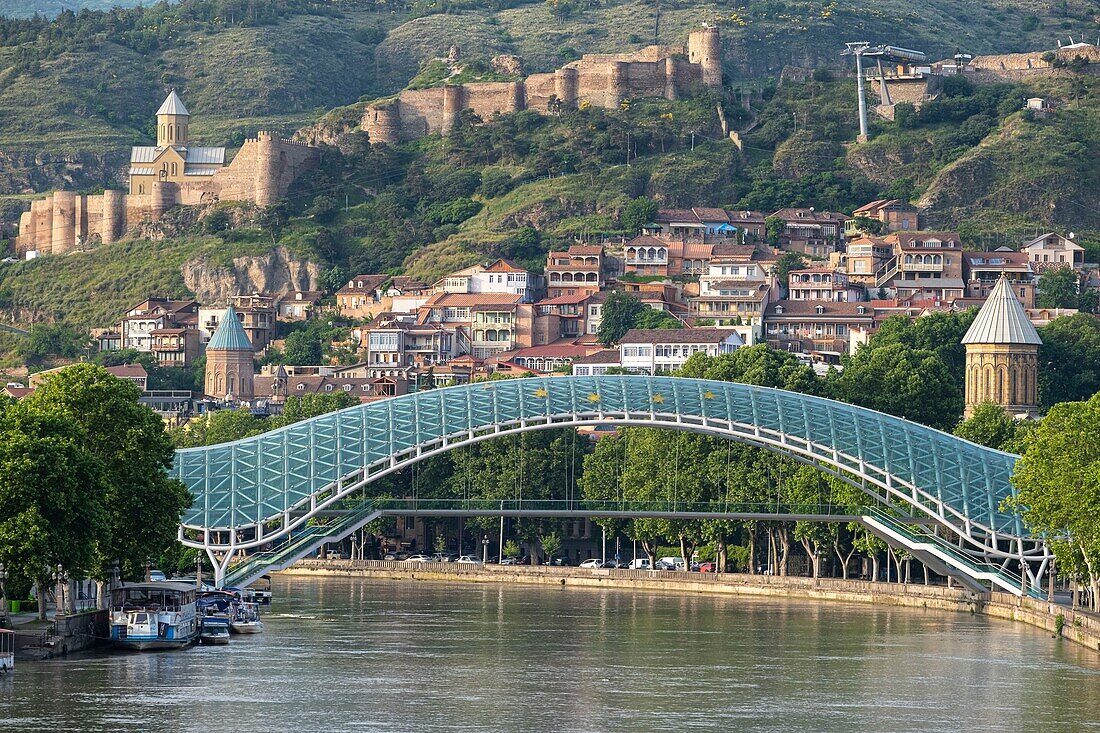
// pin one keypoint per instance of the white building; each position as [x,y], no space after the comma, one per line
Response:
[659,350]
[501,276]
[1053,251]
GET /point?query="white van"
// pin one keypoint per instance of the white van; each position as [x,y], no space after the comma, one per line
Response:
[639,563]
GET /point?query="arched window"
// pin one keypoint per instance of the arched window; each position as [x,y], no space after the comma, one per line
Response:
[173,168]
[987,393]
[1000,385]
[300,387]
[230,384]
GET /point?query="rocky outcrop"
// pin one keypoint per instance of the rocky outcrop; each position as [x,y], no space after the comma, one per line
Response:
[276,273]
[28,172]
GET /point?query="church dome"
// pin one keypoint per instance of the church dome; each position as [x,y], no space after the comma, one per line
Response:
[1002,320]
[229,335]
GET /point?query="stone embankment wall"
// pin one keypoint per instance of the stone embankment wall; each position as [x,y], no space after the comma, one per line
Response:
[1076,626]
[261,172]
[65,635]
[602,80]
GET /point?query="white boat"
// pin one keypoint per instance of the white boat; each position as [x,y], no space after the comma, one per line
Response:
[7,651]
[153,616]
[216,610]
[246,620]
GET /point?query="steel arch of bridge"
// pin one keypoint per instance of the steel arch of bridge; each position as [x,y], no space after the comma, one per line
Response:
[251,492]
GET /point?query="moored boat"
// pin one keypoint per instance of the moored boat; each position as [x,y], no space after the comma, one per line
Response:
[148,616]
[246,620]
[261,589]
[215,610]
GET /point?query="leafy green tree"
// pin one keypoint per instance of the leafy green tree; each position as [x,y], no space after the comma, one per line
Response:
[990,425]
[1058,482]
[51,497]
[638,213]
[511,548]
[788,261]
[297,408]
[551,544]
[1058,288]
[1069,360]
[48,341]
[302,348]
[218,426]
[903,381]
[759,365]
[142,505]
[939,332]
[620,312]
[773,230]
[655,318]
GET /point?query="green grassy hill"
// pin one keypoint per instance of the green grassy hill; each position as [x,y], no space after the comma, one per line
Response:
[75,94]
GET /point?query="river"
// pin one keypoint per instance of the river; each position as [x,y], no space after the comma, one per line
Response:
[378,655]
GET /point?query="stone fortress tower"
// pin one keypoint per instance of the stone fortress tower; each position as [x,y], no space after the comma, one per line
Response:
[600,80]
[171,173]
[229,361]
[1002,349]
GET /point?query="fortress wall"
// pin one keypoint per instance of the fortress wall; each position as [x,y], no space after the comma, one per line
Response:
[488,98]
[905,90]
[383,124]
[538,88]
[261,172]
[421,112]
[1033,60]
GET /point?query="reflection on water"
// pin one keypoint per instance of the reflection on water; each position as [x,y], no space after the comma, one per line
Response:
[349,655]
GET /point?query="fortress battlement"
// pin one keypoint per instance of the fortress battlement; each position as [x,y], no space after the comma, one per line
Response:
[601,80]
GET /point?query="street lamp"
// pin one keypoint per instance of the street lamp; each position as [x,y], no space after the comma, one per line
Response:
[484,549]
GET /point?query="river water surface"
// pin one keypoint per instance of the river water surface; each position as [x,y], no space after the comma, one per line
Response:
[375,655]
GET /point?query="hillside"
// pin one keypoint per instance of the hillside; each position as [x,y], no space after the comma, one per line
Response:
[521,184]
[78,90]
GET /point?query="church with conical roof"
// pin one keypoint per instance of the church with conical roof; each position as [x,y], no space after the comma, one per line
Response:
[1002,355]
[229,361]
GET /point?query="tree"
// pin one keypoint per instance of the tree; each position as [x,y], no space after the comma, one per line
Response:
[51,497]
[1058,288]
[302,348]
[773,230]
[655,318]
[218,426]
[511,549]
[759,365]
[903,381]
[47,340]
[1069,360]
[1058,481]
[990,425]
[788,261]
[620,313]
[551,545]
[638,213]
[142,505]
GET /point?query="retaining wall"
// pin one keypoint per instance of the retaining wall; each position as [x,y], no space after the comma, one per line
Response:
[1076,626]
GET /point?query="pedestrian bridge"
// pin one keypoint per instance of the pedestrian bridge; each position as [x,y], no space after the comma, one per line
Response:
[263,490]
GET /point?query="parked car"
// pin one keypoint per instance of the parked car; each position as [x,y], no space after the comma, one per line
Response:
[510,561]
[639,563]
[418,558]
[335,555]
[156,576]
[670,563]
[524,560]
[707,567]
[444,557]
[559,561]
[593,563]
[469,560]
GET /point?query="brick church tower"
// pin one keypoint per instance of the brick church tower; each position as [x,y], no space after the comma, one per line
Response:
[229,361]
[1002,355]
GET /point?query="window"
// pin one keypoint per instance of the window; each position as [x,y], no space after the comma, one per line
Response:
[347,387]
[328,387]
[300,387]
